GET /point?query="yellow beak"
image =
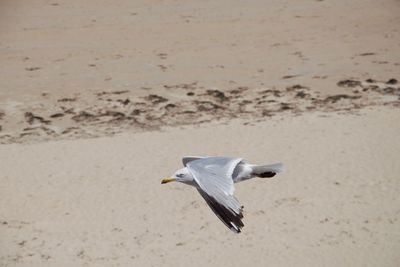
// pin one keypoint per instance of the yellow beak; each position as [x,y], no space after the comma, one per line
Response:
[167,180]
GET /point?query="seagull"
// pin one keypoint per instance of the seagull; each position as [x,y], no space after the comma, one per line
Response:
[214,177]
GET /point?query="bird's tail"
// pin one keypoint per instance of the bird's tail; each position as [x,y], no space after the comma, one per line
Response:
[267,171]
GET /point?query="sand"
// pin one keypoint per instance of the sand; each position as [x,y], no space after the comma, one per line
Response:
[100,100]
[99,202]
[69,46]
[96,68]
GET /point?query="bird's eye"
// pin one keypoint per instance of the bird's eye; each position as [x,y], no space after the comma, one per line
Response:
[179,175]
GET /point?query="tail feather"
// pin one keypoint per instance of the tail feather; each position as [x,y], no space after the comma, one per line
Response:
[267,171]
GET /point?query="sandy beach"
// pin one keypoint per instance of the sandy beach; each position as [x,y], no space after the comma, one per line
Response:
[99,202]
[100,100]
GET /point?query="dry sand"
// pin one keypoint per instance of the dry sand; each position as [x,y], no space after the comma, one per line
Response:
[314,84]
[99,202]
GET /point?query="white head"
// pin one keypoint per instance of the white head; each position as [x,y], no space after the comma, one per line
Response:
[182,175]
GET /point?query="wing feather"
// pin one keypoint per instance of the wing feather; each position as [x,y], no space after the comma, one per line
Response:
[187,159]
[231,219]
[214,178]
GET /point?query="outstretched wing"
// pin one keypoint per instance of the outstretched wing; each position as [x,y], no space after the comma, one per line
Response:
[214,178]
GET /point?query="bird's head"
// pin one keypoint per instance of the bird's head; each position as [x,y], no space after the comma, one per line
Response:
[182,175]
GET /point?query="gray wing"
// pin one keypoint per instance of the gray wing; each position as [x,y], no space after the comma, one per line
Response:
[187,159]
[214,178]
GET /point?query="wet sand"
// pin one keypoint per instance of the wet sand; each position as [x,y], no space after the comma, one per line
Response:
[74,70]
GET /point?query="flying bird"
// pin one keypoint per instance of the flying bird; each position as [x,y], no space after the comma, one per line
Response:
[214,177]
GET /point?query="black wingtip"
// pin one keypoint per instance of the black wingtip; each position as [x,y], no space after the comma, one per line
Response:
[230,218]
[266,174]
[236,230]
